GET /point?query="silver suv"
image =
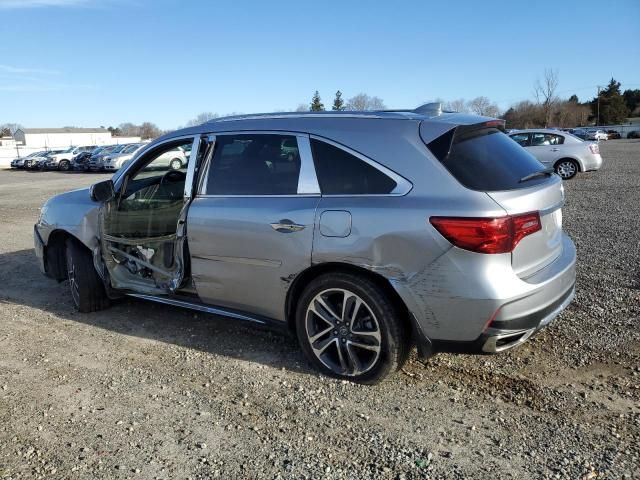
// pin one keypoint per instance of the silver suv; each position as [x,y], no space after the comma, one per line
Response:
[363,233]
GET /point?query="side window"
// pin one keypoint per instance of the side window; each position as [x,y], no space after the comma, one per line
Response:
[522,139]
[543,139]
[254,164]
[340,173]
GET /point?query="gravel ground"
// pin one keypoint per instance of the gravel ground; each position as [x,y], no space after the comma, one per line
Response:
[150,391]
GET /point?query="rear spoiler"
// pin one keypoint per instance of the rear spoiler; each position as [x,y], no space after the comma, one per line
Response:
[440,145]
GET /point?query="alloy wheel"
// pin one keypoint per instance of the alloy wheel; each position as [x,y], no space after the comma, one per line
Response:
[343,332]
[566,169]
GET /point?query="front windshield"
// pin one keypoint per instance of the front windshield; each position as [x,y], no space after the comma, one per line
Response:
[118,148]
[68,150]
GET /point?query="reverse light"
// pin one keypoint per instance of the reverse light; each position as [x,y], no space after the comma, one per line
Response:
[487,235]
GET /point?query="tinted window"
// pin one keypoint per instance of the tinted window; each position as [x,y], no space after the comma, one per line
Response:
[543,139]
[486,159]
[522,139]
[254,165]
[340,173]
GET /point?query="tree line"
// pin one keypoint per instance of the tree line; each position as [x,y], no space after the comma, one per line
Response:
[609,107]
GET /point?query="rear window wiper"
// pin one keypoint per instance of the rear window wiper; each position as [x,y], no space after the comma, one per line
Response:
[540,173]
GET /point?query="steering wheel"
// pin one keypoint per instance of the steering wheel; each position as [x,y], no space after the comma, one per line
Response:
[173,176]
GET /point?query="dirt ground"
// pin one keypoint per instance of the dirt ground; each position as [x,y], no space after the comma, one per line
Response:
[150,391]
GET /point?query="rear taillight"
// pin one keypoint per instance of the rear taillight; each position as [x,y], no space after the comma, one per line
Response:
[487,235]
[595,149]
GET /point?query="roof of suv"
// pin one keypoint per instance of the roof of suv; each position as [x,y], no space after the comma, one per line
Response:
[326,123]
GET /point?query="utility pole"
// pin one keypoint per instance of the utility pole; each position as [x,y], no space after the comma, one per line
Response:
[598,117]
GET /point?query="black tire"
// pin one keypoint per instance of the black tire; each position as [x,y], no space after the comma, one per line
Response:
[86,287]
[64,165]
[566,168]
[394,339]
[176,164]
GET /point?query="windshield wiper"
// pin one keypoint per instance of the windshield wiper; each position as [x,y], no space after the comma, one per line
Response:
[531,176]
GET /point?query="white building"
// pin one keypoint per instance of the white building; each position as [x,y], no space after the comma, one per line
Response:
[62,137]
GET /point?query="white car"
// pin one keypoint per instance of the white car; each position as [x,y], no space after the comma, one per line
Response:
[62,160]
[596,134]
[562,151]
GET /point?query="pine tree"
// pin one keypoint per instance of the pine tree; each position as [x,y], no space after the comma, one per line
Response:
[613,109]
[338,103]
[316,103]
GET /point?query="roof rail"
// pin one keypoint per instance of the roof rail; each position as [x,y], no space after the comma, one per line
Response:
[429,109]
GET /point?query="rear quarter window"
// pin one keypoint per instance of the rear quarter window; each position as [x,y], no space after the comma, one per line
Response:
[486,159]
[340,173]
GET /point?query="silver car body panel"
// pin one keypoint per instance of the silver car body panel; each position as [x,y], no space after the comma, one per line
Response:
[243,258]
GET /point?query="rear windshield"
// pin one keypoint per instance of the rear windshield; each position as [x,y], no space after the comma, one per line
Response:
[486,159]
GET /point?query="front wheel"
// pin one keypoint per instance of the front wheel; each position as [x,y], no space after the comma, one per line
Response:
[175,164]
[349,328]
[87,289]
[64,165]
[566,169]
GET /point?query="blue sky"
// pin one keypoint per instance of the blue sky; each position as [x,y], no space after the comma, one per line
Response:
[104,62]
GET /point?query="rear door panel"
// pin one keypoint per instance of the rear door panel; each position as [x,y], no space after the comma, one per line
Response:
[238,260]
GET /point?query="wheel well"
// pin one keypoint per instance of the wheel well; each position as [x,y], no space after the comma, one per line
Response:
[570,159]
[55,253]
[303,279]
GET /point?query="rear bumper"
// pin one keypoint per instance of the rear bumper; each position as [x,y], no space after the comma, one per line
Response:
[482,306]
[592,162]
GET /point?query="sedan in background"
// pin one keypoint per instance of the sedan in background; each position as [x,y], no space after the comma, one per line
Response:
[19,161]
[596,134]
[563,152]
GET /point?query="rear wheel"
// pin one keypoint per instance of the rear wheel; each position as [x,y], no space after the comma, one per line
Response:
[87,290]
[349,328]
[566,168]
[175,164]
[64,165]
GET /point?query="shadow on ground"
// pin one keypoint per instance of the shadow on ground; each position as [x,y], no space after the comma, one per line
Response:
[21,283]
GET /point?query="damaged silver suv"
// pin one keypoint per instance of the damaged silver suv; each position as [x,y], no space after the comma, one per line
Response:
[365,233]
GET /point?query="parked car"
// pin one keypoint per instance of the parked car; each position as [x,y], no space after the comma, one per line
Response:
[561,151]
[613,135]
[62,160]
[39,162]
[634,134]
[114,161]
[596,134]
[81,161]
[364,233]
[18,162]
[579,132]
[95,162]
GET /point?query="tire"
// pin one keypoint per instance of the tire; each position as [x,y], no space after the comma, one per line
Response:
[175,164]
[566,168]
[87,290]
[64,165]
[365,342]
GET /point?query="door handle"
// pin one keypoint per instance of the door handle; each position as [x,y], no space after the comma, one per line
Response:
[287,226]
[555,149]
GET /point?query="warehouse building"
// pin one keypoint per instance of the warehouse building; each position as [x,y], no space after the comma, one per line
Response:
[62,137]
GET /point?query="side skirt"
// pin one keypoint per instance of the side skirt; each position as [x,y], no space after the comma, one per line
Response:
[225,312]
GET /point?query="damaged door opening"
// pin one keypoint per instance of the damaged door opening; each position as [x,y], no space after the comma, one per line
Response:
[142,228]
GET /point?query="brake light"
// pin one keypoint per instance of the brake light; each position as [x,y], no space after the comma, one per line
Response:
[595,149]
[487,235]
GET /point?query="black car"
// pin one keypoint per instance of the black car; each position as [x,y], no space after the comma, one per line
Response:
[81,161]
